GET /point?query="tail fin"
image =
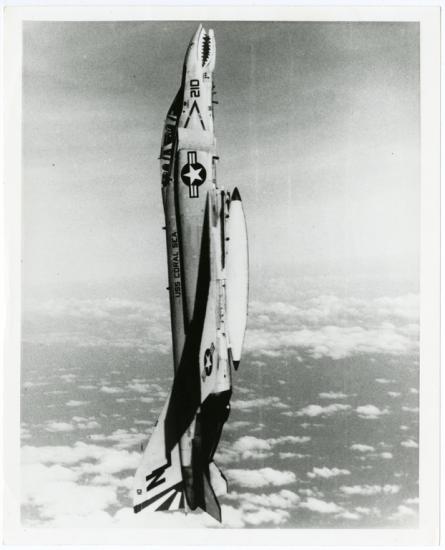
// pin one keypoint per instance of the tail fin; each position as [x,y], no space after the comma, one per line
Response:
[211,504]
[218,480]
[158,481]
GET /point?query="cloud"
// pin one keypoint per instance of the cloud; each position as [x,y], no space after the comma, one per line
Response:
[264,516]
[59,427]
[327,473]
[370,412]
[332,395]
[361,448]
[249,404]
[250,447]
[245,448]
[145,393]
[30,384]
[109,389]
[24,431]
[74,483]
[138,387]
[82,486]
[284,499]
[292,455]
[348,515]
[146,399]
[110,322]
[329,326]
[82,423]
[386,455]
[255,516]
[88,458]
[384,381]
[403,512]
[236,425]
[394,394]
[366,511]
[254,509]
[370,490]
[78,422]
[321,506]
[55,488]
[314,492]
[324,325]
[291,439]
[261,477]
[319,410]
[123,439]
[74,403]
[306,425]
[410,444]
[334,342]
[68,377]
[410,409]
[126,518]
[113,481]
[326,309]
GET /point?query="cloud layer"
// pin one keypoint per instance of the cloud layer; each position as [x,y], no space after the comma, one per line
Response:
[329,326]
[323,326]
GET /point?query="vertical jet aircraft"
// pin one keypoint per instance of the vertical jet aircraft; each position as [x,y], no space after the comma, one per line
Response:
[207,259]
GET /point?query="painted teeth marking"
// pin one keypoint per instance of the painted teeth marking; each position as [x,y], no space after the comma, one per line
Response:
[205,49]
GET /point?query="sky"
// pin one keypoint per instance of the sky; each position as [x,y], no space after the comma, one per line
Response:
[318,126]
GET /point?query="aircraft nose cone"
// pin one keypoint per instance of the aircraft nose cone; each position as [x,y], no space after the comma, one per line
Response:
[193,49]
[201,51]
[197,33]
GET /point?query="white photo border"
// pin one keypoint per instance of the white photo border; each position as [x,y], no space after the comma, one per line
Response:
[429,458]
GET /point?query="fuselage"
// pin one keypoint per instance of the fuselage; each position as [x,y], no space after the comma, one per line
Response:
[195,210]
[188,173]
[208,289]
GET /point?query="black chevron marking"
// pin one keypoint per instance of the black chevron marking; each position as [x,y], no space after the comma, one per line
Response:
[167,503]
[142,505]
[194,106]
[155,478]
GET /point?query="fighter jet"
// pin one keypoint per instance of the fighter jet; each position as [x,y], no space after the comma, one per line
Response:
[207,259]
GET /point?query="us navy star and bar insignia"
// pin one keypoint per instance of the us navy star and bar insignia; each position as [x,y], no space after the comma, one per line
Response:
[193,174]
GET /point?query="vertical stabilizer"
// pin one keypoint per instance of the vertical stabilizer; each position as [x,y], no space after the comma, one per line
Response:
[158,482]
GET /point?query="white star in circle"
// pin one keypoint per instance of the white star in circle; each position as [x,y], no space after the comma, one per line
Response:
[193,174]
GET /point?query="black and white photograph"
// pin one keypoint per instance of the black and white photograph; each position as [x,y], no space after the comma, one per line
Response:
[221,251]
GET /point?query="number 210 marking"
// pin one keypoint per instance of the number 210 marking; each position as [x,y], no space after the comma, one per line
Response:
[194,87]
